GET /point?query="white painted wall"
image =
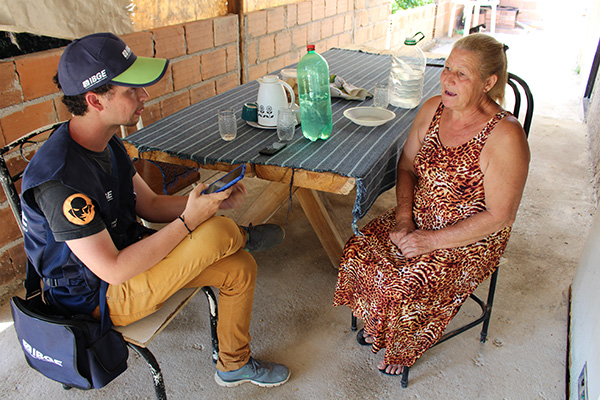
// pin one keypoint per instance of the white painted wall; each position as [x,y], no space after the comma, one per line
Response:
[585,318]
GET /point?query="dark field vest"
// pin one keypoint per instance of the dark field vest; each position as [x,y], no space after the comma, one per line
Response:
[66,280]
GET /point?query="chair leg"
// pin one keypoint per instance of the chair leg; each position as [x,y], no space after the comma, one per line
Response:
[404,381]
[159,384]
[488,306]
[214,317]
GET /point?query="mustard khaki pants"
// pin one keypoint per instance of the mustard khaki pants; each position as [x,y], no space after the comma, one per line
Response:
[213,255]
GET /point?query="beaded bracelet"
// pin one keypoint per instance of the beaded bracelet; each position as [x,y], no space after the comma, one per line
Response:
[184,224]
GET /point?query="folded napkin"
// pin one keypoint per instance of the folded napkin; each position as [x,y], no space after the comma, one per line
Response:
[340,88]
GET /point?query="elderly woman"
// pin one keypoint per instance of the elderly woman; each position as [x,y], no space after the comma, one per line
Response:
[460,180]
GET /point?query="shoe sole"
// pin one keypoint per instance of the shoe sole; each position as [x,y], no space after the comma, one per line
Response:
[223,383]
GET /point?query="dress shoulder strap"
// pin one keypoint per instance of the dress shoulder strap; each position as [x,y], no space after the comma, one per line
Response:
[434,126]
[487,129]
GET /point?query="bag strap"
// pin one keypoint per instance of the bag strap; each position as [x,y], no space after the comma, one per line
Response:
[113,162]
[32,282]
[105,322]
[33,288]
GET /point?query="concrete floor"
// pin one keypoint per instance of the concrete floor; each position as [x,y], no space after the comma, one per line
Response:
[295,323]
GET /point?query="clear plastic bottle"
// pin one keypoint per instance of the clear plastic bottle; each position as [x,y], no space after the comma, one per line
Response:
[406,74]
[313,95]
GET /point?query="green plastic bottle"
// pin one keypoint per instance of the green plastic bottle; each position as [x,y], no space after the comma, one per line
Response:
[314,96]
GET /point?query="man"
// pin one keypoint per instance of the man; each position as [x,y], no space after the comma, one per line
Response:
[81,198]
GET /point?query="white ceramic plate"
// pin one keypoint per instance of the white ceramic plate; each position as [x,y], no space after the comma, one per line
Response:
[369,116]
[257,125]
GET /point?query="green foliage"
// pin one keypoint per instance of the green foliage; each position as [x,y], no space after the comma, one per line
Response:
[406,4]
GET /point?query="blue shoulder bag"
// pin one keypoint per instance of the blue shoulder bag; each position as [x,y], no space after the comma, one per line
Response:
[75,350]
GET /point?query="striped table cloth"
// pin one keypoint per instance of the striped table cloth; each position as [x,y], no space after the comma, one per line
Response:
[368,154]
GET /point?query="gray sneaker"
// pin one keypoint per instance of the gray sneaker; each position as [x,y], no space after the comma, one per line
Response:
[263,237]
[261,373]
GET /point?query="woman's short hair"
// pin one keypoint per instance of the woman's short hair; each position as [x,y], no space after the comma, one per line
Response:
[492,60]
[77,105]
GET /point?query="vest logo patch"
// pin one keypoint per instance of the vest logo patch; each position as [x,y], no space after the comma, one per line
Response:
[78,209]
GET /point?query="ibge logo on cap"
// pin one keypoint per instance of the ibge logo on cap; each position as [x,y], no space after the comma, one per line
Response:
[92,80]
[78,209]
[126,52]
[101,75]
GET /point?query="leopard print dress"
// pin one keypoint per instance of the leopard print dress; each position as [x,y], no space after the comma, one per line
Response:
[406,303]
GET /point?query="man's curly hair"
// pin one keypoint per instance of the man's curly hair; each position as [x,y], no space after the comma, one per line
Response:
[77,104]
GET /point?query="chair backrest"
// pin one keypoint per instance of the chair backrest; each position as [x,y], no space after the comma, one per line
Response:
[521,89]
[15,157]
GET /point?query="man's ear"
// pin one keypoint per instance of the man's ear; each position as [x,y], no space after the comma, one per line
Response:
[94,101]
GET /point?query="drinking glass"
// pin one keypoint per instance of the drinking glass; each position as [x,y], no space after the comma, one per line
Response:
[227,124]
[286,124]
[381,98]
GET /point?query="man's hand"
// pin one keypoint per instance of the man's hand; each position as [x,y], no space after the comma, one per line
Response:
[200,207]
[236,198]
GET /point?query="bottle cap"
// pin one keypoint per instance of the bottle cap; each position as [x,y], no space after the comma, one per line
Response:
[415,39]
[310,47]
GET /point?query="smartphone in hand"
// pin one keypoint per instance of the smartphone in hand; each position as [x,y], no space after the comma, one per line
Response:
[226,181]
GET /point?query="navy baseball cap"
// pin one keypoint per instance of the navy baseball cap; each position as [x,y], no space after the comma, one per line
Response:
[101,58]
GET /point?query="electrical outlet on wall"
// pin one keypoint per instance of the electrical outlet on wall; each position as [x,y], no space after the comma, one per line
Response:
[582,384]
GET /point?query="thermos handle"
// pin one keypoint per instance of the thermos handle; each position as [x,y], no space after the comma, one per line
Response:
[290,91]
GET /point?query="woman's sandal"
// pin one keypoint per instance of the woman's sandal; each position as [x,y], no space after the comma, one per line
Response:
[387,373]
[360,338]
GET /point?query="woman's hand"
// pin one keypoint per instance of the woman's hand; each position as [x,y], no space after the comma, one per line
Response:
[411,241]
[236,198]
[403,227]
[416,243]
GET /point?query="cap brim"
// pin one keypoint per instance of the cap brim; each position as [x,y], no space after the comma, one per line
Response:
[143,72]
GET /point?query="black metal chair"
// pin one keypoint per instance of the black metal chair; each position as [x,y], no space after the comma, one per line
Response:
[520,90]
[137,339]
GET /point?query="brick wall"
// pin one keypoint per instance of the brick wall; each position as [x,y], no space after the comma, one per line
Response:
[405,23]
[277,37]
[207,57]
